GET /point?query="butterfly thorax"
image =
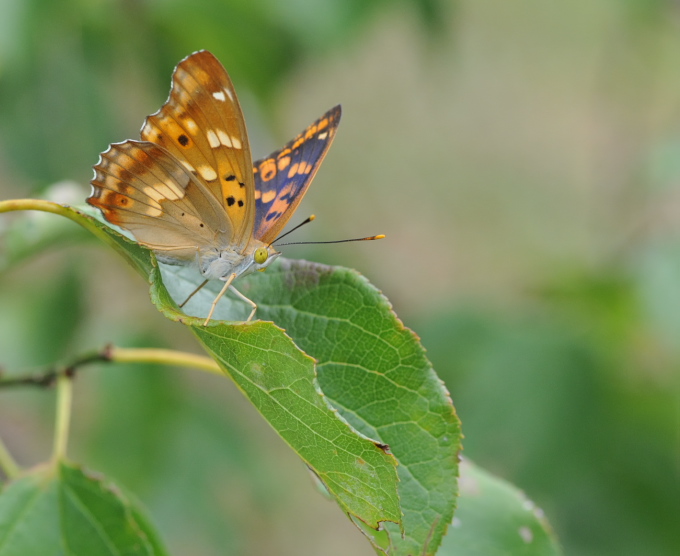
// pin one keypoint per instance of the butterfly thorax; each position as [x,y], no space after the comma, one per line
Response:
[217,264]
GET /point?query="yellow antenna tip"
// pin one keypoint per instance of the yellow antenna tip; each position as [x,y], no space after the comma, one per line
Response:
[380,236]
[311,217]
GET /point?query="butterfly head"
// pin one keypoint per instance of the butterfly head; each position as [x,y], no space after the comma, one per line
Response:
[219,265]
[263,257]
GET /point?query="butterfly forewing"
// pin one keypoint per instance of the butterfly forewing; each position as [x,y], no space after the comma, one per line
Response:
[202,126]
[282,179]
[142,188]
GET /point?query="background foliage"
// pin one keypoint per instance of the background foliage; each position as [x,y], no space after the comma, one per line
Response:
[523,159]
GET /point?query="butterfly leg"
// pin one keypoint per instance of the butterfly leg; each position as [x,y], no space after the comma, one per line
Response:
[224,289]
[193,293]
[249,301]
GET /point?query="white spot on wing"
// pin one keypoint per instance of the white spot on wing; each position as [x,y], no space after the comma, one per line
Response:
[170,190]
[188,166]
[219,95]
[229,94]
[207,173]
[191,126]
[213,139]
[162,191]
[235,143]
[224,138]
[152,211]
[323,135]
[154,197]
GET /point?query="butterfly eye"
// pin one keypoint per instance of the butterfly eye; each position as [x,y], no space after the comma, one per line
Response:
[261,255]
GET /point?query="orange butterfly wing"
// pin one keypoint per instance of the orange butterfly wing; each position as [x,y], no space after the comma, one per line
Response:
[142,188]
[202,126]
[190,187]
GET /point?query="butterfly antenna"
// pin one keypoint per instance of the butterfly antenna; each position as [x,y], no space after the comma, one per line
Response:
[380,236]
[307,221]
[192,294]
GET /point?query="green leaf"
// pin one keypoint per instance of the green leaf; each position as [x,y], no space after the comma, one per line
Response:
[280,380]
[495,519]
[29,516]
[372,371]
[62,511]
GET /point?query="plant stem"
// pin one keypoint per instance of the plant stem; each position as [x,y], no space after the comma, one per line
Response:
[164,357]
[7,464]
[121,355]
[55,208]
[63,418]
[65,388]
[37,204]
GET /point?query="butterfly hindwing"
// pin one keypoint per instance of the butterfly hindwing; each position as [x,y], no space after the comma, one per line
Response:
[282,179]
[140,187]
[202,126]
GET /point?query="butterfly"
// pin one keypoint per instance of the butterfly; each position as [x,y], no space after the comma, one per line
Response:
[189,190]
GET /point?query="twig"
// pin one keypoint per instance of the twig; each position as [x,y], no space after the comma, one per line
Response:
[63,377]
[47,378]
[109,353]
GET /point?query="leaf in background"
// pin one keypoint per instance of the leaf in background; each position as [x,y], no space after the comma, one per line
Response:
[495,519]
[63,511]
[34,234]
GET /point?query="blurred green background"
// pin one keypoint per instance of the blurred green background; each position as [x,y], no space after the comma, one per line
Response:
[523,159]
